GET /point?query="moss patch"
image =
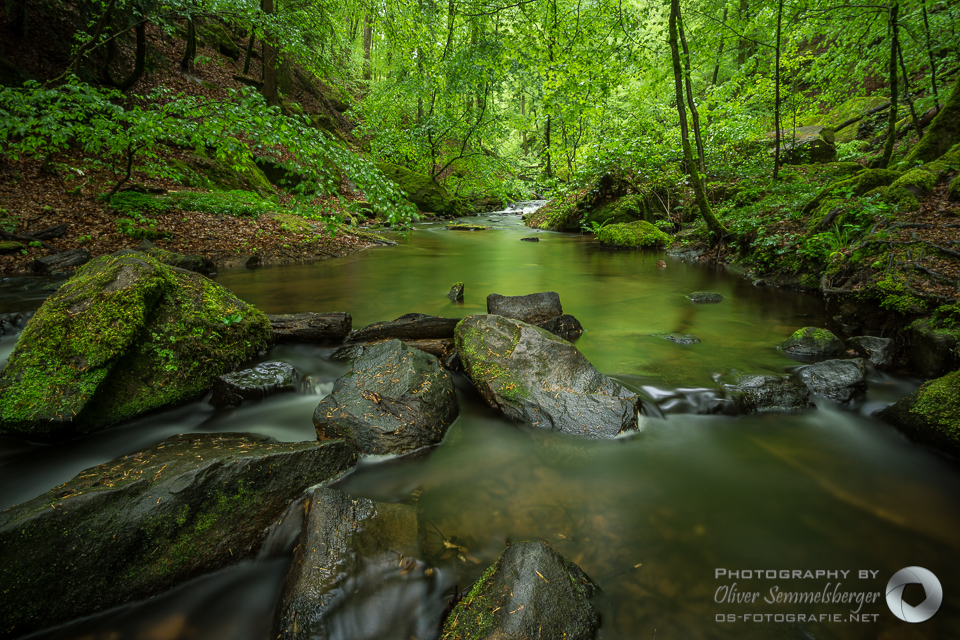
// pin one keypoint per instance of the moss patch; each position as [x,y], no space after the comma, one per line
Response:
[473,617]
[919,182]
[423,191]
[635,235]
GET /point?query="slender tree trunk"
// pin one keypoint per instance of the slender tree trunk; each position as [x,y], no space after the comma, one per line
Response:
[18,17]
[546,143]
[523,115]
[776,99]
[906,93]
[190,50]
[249,52]
[367,46]
[90,44]
[694,114]
[892,120]
[933,63]
[270,54]
[138,64]
[716,67]
[742,45]
[690,166]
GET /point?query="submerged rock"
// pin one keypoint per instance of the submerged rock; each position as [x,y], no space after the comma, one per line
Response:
[531,592]
[530,239]
[879,351]
[679,338]
[126,335]
[412,326]
[534,308]
[456,292]
[393,400]
[533,376]
[148,521]
[265,379]
[463,226]
[840,380]
[767,394]
[931,414]
[705,297]
[310,327]
[356,558]
[813,342]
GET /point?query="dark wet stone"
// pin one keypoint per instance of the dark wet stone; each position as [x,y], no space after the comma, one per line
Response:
[534,376]
[60,264]
[767,394]
[412,326]
[148,521]
[263,380]
[705,297]
[679,338]
[348,352]
[565,326]
[456,292]
[879,351]
[931,414]
[839,380]
[813,342]
[310,327]
[932,350]
[534,308]
[530,239]
[12,323]
[393,400]
[531,592]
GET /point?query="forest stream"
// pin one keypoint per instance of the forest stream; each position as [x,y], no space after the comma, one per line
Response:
[658,519]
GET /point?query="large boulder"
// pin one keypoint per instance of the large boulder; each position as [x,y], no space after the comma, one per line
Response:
[806,145]
[265,379]
[531,592]
[310,327]
[352,554]
[412,326]
[812,342]
[533,376]
[931,414]
[533,308]
[756,393]
[125,336]
[943,133]
[932,349]
[423,191]
[145,522]
[839,380]
[393,400]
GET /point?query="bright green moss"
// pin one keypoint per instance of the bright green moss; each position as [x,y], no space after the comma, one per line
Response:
[473,617]
[938,404]
[636,235]
[919,182]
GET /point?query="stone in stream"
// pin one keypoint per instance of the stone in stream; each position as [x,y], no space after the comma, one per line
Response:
[443,348]
[679,338]
[531,592]
[355,573]
[412,326]
[534,308]
[463,226]
[456,292]
[705,297]
[879,351]
[839,380]
[565,326]
[530,239]
[931,414]
[126,335]
[148,521]
[310,327]
[756,393]
[265,379]
[813,342]
[393,400]
[60,264]
[933,350]
[534,376]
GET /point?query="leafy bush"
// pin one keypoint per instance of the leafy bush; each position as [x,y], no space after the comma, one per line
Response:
[240,204]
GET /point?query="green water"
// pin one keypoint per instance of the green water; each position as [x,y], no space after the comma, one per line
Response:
[649,517]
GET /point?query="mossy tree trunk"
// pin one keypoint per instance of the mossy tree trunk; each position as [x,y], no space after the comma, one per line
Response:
[892,120]
[943,133]
[776,100]
[190,50]
[249,52]
[139,62]
[271,53]
[690,165]
[694,114]
[367,47]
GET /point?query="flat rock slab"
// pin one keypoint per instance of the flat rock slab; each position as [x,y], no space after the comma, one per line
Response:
[310,327]
[352,556]
[879,351]
[767,394]
[839,380]
[533,376]
[534,308]
[679,338]
[263,380]
[412,326]
[531,592]
[393,400]
[705,297]
[813,342]
[145,522]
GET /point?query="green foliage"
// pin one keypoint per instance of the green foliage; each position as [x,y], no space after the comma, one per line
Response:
[239,204]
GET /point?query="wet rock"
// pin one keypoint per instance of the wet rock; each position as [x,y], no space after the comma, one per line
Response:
[806,145]
[839,380]
[125,336]
[531,592]
[148,521]
[263,380]
[534,308]
[13,323]
[60,264]
[879,351]
[440,347]
[412,326]
[931,414]
[932,349]
[530,239]
[198,264]
[310,327]
[767,394]
[456,292]
[565,326]
[393,400]
[354,573]
[533,376]
[679,338]
[462,226]
[705,297]
[348,352]
[813,342]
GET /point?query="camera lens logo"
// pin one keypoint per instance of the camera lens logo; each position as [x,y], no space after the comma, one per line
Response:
[931,588]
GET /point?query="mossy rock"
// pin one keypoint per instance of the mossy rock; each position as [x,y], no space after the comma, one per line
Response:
[215,35]
[145,522]
[423,191]
[627,209]
[857,185]
[931,414]
[933,348]
[919,182]
[953,191]
[945,165]
[900,197]
[849,109]
[126,335]
[813,342]
[636,235]
[245,175]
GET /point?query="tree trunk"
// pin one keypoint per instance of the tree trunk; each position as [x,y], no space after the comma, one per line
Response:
[90,44]
[906,94]
[743,46]
[190,50]
[776,99]
[249,52]
[694,114]
[367,45]
[690,166]
[18,17]
[933,63]
[523,116]
[716,67]
[139,62]
[270,54]
[892,120]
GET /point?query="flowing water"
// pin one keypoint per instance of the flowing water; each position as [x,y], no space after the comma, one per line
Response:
[653,517]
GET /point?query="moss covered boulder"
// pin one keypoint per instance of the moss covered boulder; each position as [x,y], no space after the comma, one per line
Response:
[931,414]
[943,133]
[634,235]
[423,191]
[806,145]
[126,335]
[813,342]
[533,376]
[531,592]
[857,185]
[147,521]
